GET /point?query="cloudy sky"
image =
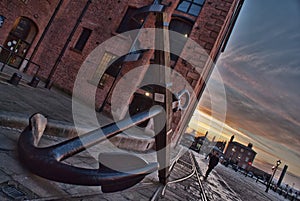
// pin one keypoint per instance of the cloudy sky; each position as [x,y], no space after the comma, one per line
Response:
[260,70]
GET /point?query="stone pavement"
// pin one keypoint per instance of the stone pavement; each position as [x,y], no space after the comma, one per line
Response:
[17,183]
[17,104]
[20,102]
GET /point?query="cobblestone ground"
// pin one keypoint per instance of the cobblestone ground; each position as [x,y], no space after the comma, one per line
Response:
[184,183]
[226,184]
[16,183]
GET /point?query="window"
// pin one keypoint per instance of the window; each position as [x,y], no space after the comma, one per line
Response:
[246,159]
[19,41]
[192,7]
[183,27]
[130,22]
[105,61]
[84,36]
[234,148]
[103,80]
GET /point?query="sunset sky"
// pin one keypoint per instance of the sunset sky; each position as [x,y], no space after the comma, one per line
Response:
[260,70]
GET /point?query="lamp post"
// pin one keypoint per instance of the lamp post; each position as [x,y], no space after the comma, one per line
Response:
[274,170]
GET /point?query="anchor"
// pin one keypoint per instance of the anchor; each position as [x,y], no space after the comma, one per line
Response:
[113,174]
[47,161]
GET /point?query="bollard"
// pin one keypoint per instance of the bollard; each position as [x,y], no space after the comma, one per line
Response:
[280,192]
[34,82]
[15,79]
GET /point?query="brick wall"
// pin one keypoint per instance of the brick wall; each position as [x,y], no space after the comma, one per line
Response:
[208,31]
[103,18]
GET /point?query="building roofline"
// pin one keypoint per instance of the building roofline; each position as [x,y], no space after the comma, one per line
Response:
[242,145]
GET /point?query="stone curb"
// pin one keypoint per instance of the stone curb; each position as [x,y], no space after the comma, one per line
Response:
[67,130]
[20,121]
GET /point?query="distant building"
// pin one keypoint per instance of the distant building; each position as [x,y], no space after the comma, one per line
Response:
[220,145]
[239,154]
[204,145]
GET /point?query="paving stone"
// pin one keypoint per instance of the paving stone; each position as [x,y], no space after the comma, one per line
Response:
[12,190]
[10,164]
[42,187]
[85,190]
[3,177]
[6,143]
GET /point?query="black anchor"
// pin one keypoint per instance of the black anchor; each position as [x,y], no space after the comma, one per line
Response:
[47,161]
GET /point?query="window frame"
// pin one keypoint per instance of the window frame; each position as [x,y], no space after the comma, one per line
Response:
[191,3]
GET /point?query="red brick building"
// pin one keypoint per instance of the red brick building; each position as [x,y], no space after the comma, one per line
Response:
[239,154]
[59,36]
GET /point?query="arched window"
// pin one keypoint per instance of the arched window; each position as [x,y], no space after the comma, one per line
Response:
[18,41]
[177,43]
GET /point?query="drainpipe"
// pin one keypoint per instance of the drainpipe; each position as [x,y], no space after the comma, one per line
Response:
[120,69]
[49,80]
[44,33]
